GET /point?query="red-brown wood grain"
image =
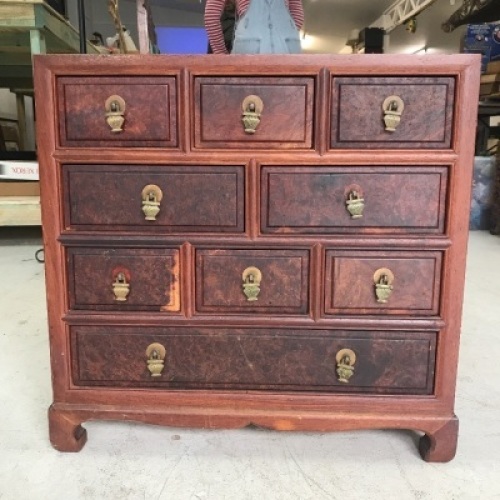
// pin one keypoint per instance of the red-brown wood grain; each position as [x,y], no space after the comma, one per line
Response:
[221,358]
[308,200]
[150,112]
[425,122]
[285,120]
[152,276]
[195,199]
[350,284]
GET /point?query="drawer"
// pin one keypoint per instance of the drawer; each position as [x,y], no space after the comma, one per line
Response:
[252,281]
[382,283]
[392,112]
[124,280]
[375,200]
[223,358]
[253,112]
[189,199]
[118,111]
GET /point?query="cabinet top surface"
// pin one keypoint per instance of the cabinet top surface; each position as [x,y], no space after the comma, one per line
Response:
[241,64]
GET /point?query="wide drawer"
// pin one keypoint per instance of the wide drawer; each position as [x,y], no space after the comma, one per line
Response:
[223,358]
[392,112]
[383,282]
[381,200]
[252,281]
[123,279]
[177,199]
[253,112]
[118,111]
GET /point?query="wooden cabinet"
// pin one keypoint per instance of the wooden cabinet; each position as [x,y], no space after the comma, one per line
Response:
[279,242]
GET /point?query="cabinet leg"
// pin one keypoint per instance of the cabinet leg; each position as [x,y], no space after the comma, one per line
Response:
[440,445]
[65,431]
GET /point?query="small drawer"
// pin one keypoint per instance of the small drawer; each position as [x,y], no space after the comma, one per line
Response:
[245,359]
[382,283]
[142,198]
[392,113]
[118,111]
[374,200]
[253,113]
[124,280]
[252,281]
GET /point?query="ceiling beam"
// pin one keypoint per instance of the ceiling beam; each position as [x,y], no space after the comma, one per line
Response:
[400,12]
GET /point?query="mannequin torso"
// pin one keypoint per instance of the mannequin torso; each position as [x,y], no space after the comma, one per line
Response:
[213,11]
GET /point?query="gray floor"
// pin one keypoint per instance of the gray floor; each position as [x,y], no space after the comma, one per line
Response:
[129,461]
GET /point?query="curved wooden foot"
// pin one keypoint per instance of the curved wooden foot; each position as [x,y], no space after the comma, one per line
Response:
[65,431]
[440,445]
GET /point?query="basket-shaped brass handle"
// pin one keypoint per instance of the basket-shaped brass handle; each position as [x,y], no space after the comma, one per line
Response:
[252,107]
[252,277]
[115,113]
[155,354]
[383,279]
[151,198]
[355,204]
[121,287]
[393,108]
[346,358]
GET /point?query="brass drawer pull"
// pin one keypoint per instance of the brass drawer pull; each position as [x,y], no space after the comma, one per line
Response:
[252,107]
[251,283]
[355,204]
[151,198]
[115,113]
[383,279]
[155,354]
[121,288]
[393,109]
[346,358]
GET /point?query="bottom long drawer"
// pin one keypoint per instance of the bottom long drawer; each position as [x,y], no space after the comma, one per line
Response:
[252,358]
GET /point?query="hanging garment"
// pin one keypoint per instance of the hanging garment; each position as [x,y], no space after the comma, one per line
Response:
[267,27]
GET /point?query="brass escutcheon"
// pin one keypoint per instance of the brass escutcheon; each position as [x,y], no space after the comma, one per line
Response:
[155,354]
[115,113]
[393,107]
[151,198]
[355,204]
[346,358]
[121,288]
[251,283]
[252,107]
[383,279]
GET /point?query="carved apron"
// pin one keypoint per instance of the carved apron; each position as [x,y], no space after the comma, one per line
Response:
[267,27]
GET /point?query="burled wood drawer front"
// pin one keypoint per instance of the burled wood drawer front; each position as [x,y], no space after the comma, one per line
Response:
[358,119]
[381,200]
[285,121]
[123,279]
[223,358]
[383,282]
[193,199]
[150,111]
[252,281]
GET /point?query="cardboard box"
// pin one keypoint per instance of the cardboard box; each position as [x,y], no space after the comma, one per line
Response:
[493,68]
[19,170]
[22,188]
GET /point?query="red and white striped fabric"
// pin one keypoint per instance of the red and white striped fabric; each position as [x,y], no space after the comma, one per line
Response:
[213,11]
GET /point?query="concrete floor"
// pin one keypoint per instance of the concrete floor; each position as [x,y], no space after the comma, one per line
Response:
[130,461]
